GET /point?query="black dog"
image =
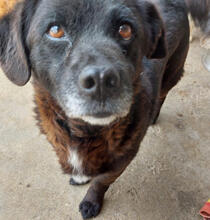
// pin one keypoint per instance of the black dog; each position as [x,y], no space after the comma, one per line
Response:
[101,71]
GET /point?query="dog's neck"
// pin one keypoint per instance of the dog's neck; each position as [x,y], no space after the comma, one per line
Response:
[48,111]
[108,142]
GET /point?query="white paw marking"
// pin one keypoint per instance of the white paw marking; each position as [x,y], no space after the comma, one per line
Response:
[80,179]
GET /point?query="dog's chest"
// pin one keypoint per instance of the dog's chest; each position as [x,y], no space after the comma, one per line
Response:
[75,161]
[82,150]
[88,159]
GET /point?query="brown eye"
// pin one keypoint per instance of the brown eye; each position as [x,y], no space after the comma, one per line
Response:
[125,31]
[56,32]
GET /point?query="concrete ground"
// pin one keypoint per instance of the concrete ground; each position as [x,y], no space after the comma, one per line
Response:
[168,180]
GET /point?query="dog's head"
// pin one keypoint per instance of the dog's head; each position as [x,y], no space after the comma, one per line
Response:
[87,54]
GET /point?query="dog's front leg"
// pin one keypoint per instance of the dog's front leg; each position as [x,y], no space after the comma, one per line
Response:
[93,200]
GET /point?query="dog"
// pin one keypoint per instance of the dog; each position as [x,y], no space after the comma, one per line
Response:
[101,72]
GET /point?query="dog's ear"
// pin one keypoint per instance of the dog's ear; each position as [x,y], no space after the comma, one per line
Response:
[13,52]
[155,32]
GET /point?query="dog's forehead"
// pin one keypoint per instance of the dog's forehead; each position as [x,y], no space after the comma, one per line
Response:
[82,8]
[79,16]
[77,6]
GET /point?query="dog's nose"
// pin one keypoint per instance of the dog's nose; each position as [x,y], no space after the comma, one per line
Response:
[99,82]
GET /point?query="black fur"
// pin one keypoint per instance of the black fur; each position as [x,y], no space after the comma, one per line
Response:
[89,210]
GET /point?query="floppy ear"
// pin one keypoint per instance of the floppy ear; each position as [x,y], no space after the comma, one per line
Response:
[156,47]
[13,52]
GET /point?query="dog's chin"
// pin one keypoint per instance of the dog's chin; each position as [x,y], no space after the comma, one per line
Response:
[100,119]
[104,121]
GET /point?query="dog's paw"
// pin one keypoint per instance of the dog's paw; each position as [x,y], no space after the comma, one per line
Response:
[73,182]
[89,209]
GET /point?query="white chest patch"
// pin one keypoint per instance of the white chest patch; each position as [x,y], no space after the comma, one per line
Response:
[76,162]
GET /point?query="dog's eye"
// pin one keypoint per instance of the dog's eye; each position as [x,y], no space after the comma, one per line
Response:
[125,31]
[56,32]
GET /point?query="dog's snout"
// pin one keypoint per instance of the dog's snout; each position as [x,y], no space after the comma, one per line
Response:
[99,82]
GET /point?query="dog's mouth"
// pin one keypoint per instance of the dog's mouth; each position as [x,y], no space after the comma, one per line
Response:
[93,111]
[102,115]
[100,121]
[95,115]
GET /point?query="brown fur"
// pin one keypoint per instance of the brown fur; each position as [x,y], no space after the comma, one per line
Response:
[6,6]
[99,147]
